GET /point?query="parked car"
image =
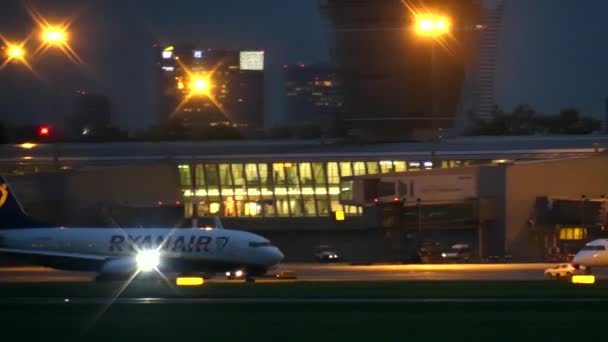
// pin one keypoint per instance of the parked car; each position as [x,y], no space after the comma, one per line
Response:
[429,252]
[325,253]
[458,252]
[563,270]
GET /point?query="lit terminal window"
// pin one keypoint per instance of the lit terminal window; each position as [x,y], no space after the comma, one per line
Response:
[572,233]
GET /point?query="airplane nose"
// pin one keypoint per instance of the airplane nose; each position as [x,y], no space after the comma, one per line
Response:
[583,259]
[278,256]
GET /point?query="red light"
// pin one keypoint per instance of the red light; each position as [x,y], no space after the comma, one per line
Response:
[396,199]
[44,131]
[302,65]
[375,200]
[178,202]
[159,203]
[285,66]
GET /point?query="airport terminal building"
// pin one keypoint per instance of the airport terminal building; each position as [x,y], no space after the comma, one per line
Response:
[484,191]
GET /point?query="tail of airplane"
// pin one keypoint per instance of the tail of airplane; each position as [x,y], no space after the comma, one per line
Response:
[12,214]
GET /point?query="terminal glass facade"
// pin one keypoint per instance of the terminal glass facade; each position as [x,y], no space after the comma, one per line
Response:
[285,189]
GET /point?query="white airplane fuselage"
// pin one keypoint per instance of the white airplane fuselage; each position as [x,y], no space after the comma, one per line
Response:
[180,250]
[594,254]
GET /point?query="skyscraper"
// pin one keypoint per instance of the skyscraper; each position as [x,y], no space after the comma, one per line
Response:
[206,88]
[314,95]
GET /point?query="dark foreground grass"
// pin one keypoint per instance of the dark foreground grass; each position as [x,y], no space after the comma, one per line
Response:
[418,289]
[304,322]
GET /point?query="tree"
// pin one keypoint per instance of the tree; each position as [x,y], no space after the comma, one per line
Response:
[220,132]
[280,132]
[523,120]
[568,118]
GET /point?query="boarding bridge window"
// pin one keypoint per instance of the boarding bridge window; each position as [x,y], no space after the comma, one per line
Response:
[386,189]
[572,233]
[414,165]
[346,190]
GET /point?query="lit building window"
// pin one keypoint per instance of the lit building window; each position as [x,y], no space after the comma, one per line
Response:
[359,168]
[572,233]
[184,175]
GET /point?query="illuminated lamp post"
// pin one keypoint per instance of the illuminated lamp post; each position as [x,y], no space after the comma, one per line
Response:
[54,36]
[433,27]
[199,85]
[16,52]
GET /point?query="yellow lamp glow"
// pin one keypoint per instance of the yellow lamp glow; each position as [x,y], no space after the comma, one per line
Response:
[432,25]
[54,35]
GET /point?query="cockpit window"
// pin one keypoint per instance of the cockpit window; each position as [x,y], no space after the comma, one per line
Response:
[259,244]
[594,248]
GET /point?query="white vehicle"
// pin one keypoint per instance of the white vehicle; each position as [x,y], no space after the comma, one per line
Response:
[562,270]
[594,254]
[126,252]
[458,252]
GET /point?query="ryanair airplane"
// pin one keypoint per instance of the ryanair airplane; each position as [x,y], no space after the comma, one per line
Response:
[125,252]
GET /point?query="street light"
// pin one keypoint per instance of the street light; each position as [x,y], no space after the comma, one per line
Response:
[433,26]
[199,85]
[54,36]
[16,52]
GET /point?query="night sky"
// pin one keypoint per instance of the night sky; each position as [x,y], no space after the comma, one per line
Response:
[115,37]
[553,52]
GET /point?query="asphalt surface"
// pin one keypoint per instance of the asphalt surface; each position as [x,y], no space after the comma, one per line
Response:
[336,272]
[103,300]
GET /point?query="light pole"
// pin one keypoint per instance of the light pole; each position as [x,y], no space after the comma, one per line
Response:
[433,26]
[54,36]
[418,204]
[583,199]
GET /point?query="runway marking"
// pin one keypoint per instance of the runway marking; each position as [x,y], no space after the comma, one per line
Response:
[254,300]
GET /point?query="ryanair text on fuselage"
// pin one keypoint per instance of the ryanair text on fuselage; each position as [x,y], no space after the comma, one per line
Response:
[180,243]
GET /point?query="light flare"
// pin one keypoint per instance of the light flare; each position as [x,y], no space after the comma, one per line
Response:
[202,82]
[54,35]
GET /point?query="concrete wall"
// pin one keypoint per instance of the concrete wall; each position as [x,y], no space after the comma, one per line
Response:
[491,187]
[526,181]
[75,197]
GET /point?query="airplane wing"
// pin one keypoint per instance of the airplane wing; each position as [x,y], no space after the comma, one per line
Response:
[30,252]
